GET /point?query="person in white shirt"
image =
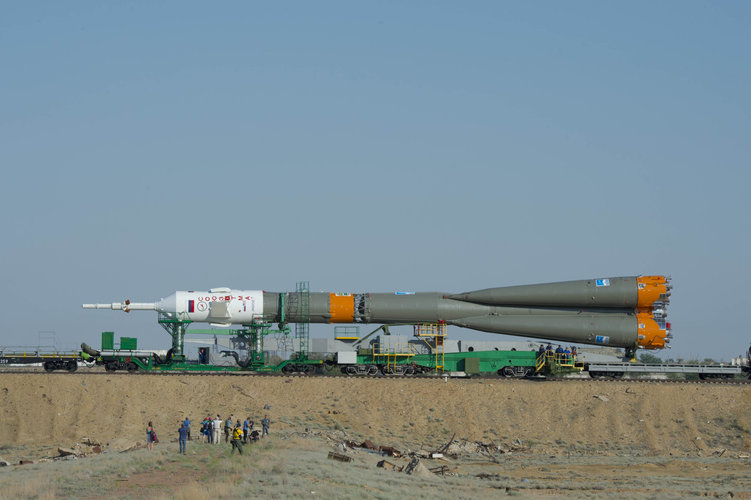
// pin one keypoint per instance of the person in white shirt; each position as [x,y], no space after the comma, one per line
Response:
[217,428]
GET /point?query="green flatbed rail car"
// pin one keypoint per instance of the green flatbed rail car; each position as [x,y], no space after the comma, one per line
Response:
[504,363]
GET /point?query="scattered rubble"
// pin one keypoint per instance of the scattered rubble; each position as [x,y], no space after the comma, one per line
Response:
[416,468]
[388,465]
[339,457]
[390,451]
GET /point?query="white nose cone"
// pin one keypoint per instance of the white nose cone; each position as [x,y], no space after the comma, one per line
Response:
[167,304]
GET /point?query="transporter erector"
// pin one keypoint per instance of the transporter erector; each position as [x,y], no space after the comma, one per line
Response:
[627,312]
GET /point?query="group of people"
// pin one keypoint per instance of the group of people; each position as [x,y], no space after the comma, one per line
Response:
[561,354]
[235,433]
[211,429]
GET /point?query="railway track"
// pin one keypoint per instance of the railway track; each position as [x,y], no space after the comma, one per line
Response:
[599,380]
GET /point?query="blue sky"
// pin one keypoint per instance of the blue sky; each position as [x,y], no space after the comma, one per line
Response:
[148,147]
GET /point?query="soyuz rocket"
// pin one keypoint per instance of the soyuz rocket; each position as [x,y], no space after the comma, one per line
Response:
[624,312]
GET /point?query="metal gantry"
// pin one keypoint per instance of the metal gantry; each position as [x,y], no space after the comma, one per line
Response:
[302,327]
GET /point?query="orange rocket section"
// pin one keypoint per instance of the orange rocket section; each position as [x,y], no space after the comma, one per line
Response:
[650,334]
[341,308]
[651,289]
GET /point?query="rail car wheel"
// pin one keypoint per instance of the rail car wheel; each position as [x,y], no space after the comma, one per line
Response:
[111,366]
[409,370]
[387,370]
[506,371]
[48,367]
[72,366]
[289,369]
[372,370]
[351,370]
[132,367]
[305,369]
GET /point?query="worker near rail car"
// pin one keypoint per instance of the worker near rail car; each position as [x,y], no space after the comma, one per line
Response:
[227,428]
[246,429]
[573,352]
[182,437]
[237,438]
[150,436]
[186,422]
[567,354]
[217,429]
[265,424]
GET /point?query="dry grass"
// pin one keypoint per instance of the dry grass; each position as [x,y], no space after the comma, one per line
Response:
[298,467]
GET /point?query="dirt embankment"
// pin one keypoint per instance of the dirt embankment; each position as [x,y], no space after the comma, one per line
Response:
[583,417]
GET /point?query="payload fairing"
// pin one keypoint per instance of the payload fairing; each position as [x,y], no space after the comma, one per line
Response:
[619,312]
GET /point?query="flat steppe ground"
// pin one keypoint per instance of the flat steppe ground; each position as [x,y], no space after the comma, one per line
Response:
[534,439]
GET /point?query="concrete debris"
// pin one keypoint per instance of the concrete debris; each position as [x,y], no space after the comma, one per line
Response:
[601,397]
[87,447]
[25,462]
[122,445]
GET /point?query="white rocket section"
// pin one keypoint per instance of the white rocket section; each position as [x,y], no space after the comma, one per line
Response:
[218,306]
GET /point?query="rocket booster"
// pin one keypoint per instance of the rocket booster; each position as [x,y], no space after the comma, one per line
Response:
[618,312]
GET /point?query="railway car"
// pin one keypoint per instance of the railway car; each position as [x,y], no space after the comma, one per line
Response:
[49,361]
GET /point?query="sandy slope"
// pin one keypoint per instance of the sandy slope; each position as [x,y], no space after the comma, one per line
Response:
[584,417]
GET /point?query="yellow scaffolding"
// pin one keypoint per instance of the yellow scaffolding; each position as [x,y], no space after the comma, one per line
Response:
[434,336]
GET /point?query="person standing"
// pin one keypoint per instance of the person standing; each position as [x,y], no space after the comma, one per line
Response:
[217,429]
[209,429]
[150,436]
[227,428]
[246,430]
[186,422]
[182,437]
[265,424]
[237,436]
